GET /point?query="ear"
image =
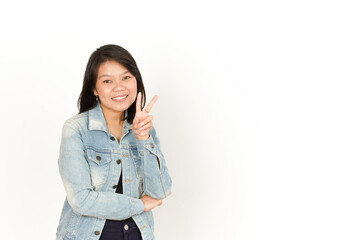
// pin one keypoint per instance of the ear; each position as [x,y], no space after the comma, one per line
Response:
[95,92]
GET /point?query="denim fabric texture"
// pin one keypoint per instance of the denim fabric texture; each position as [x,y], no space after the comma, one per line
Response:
[90,163]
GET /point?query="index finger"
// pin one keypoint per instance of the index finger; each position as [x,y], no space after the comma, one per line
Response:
[151,103]
[138,102]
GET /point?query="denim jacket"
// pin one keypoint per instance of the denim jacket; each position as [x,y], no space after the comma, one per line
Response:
[90,163]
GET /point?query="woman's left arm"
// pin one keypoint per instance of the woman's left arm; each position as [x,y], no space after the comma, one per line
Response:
[157,181]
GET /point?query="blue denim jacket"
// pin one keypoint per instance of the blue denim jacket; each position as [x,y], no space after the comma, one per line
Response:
[90,163]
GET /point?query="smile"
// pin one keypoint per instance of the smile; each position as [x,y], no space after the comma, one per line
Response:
[119,98]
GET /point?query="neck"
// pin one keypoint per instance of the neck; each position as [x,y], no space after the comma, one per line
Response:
[112,118]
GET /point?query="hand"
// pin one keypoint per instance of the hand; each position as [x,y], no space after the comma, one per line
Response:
[150,203]
[142,120]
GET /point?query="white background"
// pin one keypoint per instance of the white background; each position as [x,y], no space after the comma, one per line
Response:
[258,111]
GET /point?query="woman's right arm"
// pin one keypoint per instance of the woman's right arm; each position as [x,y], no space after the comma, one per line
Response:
[75,173]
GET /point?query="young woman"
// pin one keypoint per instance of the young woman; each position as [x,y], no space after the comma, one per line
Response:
[111,163]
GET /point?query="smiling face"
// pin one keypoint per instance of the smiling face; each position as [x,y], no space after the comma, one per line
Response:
[115,87]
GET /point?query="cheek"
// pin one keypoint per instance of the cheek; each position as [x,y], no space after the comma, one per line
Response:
[134,89]
[133,92]
[99,89]
[103,91]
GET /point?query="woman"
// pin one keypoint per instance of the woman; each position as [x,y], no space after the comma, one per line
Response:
[110,161]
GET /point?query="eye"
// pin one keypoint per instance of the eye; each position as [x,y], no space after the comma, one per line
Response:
[107,81]
[127,77]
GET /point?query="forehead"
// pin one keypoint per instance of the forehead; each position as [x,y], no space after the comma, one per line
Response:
[111,68]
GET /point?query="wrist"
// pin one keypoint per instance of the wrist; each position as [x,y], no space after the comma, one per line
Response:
[142,138]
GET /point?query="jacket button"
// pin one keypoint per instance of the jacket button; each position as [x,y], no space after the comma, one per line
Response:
[97,233]
[126,227]
[152,145]
[112,138]
[98,158]
[115,186]
[118,161]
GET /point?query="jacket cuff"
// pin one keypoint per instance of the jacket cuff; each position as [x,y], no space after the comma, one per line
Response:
[137,206]
[148,144]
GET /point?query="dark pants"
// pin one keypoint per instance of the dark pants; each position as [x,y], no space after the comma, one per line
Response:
[120,231]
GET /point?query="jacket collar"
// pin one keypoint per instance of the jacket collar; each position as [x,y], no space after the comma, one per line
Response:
[97,120]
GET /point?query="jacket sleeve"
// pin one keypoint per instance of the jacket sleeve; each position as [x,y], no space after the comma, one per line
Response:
[157,181]
[75,173]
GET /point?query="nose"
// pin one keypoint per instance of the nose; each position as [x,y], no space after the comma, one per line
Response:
[118,86]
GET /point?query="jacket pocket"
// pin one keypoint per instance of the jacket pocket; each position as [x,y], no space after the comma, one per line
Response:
[99,162]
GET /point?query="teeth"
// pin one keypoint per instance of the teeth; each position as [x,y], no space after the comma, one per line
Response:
[118,98]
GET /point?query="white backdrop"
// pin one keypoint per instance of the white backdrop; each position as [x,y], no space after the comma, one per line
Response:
[258,111]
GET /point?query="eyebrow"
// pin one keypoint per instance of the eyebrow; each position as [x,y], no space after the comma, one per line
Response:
[107,75]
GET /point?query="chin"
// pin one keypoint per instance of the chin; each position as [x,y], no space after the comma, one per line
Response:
[120,109]
[115,108]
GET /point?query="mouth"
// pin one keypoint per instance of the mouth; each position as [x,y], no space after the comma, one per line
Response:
[119,97]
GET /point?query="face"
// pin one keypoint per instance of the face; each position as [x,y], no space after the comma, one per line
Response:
[115,87]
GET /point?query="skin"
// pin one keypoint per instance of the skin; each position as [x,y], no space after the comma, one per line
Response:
[115,80]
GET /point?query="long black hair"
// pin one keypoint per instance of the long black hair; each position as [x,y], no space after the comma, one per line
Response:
[87,99]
